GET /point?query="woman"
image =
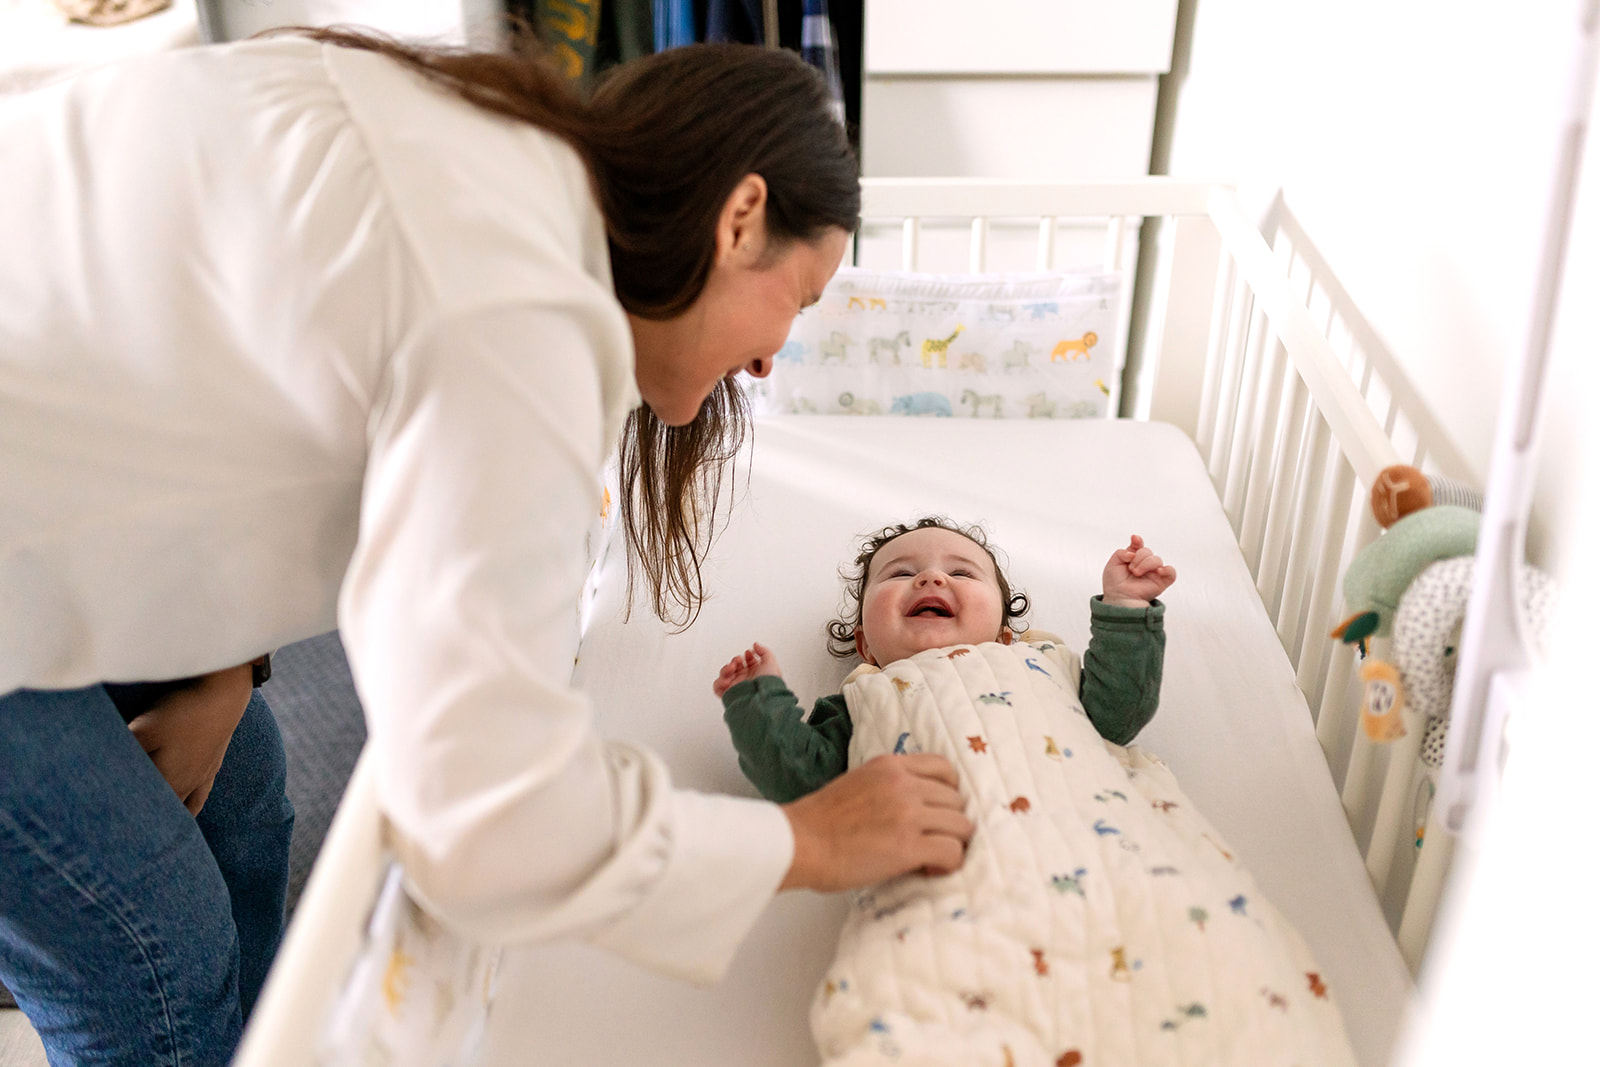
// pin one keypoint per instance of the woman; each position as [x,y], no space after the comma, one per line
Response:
[318,330]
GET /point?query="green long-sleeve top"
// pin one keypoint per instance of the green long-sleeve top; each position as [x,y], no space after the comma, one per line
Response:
[787,755]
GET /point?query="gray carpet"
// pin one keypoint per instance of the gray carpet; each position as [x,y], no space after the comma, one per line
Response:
[315,704]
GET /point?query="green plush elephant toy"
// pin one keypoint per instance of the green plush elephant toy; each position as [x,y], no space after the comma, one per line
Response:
[1381,572]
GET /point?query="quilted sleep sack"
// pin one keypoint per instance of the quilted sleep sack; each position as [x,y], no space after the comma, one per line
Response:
[1098,919]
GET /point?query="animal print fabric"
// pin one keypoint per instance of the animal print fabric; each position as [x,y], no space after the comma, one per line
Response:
[1098,918]
[1043,346]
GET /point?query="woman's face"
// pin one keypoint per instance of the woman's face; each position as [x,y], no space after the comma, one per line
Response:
[743,315]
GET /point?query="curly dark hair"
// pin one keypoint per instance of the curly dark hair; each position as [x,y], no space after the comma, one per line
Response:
[842,631]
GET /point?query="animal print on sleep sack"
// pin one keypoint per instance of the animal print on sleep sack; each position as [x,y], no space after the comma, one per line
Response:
[1098,918]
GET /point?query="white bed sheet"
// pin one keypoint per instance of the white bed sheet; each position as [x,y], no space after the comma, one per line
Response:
[1057,497]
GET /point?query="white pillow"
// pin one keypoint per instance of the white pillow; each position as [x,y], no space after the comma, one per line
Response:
[984,346]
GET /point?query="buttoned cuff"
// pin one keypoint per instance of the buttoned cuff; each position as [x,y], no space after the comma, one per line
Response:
[1116,616]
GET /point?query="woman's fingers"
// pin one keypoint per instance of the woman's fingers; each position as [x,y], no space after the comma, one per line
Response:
[892,815]
[934,768]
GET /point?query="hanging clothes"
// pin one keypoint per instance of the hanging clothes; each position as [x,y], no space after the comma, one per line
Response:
[738,21]
[571,29]
[627,31]
[820,48]
[674,23]
[590,36]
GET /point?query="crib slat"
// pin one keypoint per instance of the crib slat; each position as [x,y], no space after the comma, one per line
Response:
[1335,711]
[1427,886]
[1271,576]
[1335,512]
[1233,349]
[1216,356]
[1116,230]
[1263,451]
[978,257]
[910,239]
[1244,441]
[1357,792]
[1047,243]
[1291,612]
[1392,803]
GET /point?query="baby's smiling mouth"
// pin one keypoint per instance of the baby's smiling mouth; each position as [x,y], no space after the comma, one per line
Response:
[929,608]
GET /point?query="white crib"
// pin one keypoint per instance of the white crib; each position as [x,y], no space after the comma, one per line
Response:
[1250,349]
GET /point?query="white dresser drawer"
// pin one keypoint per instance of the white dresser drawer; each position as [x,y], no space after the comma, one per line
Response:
[1049,128]
[1018,36]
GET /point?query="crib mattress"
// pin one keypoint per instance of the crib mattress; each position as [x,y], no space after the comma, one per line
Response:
[1232,724]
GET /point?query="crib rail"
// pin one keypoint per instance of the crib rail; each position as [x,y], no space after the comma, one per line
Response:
[1251,347]
[1297,418]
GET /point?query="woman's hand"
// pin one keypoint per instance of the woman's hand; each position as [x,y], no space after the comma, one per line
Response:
[1134,576]
[890,816]
[186,733]
[755,661]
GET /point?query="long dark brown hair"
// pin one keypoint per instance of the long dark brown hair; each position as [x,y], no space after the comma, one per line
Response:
[667,138]
[842,631]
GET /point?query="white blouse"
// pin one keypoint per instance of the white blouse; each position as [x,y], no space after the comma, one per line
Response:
[290,338]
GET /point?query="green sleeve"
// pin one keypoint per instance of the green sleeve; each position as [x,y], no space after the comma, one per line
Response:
[1121,680]
[784,755]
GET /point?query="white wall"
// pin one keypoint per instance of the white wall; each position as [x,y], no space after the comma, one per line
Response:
[1416,142]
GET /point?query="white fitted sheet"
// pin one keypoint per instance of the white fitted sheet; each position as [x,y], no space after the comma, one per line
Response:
[1057,498]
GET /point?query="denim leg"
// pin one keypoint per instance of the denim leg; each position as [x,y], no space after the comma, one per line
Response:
[116,933]
[247,821]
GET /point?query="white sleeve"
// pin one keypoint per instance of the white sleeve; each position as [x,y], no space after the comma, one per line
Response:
[513,819]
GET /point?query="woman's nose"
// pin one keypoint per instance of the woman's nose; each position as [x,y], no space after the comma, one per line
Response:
[759,368]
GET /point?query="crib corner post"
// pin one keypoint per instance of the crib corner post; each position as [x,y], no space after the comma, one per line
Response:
[1173,360]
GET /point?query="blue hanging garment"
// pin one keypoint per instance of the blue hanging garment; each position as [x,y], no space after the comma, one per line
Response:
[820,48]
[674,23]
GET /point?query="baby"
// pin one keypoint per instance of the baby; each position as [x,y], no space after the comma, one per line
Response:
[1097,918]
[933,584]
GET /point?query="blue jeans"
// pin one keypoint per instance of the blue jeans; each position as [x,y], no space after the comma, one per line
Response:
[132,932]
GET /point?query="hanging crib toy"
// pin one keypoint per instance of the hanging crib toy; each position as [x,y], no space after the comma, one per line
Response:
[1412,584]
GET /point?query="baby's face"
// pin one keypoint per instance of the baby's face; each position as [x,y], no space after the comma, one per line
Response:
[929,588]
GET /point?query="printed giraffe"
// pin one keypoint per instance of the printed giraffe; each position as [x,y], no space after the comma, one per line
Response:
[935,347]
[1074,349]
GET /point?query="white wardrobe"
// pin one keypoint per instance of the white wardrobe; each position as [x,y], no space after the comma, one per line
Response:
[1062,89]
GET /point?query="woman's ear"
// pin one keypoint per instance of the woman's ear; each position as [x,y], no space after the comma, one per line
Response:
[742,226]
[861,648]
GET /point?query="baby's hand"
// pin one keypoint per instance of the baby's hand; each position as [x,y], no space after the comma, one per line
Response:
[1134,576]
[754,662]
